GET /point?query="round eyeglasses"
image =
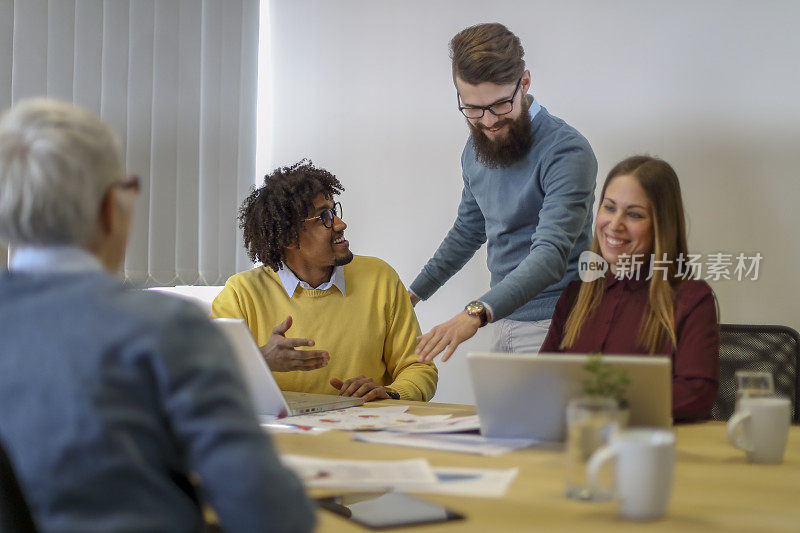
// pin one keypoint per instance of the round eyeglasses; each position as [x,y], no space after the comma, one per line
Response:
[327,216]
[504,107]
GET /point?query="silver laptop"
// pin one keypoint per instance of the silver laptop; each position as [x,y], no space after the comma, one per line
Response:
[526,395]
[269,400]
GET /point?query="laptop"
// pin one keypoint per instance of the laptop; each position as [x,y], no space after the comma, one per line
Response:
[526,395]
[267,397]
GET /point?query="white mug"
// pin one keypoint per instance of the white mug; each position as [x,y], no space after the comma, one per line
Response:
[645,460]
[761,428]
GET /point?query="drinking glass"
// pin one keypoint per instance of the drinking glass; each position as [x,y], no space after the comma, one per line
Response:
[591,422]
[753,384]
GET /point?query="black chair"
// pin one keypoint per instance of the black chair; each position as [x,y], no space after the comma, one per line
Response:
[774,349]
[15,517]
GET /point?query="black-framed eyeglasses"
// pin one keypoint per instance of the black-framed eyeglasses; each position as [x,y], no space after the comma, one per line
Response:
[497,109]
[327,216]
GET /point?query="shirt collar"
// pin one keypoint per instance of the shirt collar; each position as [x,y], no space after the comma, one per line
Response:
[535,108]
[53,260]
[291,281]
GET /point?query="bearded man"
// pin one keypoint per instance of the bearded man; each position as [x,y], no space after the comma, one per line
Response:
[529,181]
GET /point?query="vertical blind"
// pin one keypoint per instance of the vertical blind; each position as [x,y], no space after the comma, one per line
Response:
[177,80]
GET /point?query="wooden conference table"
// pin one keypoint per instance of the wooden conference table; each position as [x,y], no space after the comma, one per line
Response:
[714,489]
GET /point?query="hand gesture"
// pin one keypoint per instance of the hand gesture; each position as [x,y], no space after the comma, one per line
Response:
[360,387]
[446,336]
[281,356]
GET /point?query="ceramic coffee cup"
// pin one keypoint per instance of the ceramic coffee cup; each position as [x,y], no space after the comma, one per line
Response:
[643,471]
[761,428]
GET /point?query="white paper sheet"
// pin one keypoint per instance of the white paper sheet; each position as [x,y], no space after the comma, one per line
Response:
[276,428]
[361,419]
[430,424]
[273,424]
[317,472]
[478,482]
[476,444]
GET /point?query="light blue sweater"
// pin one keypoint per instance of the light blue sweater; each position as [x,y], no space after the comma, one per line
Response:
[111,400]
[536,217]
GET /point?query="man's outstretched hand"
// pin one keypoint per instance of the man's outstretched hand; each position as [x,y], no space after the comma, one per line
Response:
[360,387]
[446,337]
[281,356]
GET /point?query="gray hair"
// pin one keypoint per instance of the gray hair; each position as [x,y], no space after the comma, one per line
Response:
[57,162]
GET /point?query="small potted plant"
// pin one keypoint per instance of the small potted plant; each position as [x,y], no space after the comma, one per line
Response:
[607,382]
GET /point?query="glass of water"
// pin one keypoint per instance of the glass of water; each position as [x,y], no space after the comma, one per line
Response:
[591,421]
[753,383]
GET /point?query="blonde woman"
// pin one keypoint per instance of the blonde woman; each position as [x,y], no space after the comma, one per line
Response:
[655,308]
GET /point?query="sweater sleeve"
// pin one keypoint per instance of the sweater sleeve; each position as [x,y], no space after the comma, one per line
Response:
[212,418]
[411,380]
[227,304]
[568,185]
[695,364]
[459,245]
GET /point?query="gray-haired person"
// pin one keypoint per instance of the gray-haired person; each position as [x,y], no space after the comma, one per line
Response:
[113,399]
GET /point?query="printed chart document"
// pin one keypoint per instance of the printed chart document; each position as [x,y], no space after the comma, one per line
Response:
[477,444]
[436,424]
[276,427]
[477,482]
[413,475]
[389,418]
[318,472]
[361,419]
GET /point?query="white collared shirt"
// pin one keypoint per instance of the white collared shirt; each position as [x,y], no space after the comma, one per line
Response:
[291,281]
[53,260]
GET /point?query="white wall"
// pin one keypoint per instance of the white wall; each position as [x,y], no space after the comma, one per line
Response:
[364,89]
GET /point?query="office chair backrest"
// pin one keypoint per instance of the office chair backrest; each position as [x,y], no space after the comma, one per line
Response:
[15,517]
[774,349]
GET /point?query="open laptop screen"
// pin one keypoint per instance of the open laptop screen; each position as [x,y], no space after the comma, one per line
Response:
[526,395]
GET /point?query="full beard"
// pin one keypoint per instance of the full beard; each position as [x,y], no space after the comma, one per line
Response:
[508,150]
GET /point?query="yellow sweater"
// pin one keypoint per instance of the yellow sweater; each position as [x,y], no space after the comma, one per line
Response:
[372,330]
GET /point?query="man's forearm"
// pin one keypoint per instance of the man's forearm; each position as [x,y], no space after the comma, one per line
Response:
[540,269]
[456,249]
[416,382]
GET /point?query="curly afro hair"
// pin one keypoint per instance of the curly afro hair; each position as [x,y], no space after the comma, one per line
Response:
[271,215]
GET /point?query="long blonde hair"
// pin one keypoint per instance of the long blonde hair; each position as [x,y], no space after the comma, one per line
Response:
[660,183]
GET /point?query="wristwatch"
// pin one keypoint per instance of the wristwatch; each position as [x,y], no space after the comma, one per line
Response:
[478,309]
[392,394]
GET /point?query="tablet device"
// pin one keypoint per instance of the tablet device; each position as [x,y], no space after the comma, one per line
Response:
[387,510]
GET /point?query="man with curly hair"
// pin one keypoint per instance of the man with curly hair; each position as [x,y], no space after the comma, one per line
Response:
[353,310]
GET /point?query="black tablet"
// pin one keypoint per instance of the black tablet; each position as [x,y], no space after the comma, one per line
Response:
[392,509]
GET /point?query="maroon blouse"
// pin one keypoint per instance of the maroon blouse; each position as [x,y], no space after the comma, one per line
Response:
[612,329]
